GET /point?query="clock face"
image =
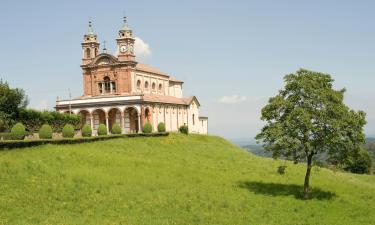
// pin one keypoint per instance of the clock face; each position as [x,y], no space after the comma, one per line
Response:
[123,48]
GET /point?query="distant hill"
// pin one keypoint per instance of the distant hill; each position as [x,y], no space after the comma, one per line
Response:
[179,179]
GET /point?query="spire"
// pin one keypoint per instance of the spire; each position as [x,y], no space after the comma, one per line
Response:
[125,25]
[104,47]
[90,30]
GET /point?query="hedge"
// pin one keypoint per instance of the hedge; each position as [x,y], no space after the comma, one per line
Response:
[29,143]
[33,120]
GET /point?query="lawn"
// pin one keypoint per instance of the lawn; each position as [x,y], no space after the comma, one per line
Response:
[172,180]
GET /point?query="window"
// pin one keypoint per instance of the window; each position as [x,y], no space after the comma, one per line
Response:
[88,55]
[113,87]
[146,84]
[153,86]
[138,84]
[107,85]
[193,119]
[160,87]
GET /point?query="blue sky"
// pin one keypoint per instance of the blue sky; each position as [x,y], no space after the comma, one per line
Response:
[231,54]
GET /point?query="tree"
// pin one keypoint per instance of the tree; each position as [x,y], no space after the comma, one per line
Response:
[11,102]
[308,117]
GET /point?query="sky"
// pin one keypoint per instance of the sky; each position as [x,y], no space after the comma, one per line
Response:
[232,55]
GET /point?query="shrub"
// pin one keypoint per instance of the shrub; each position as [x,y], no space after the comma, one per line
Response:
[184,129]
[116,129]
[102,130]
[147,128]
[34,119]
[86,131]
[161,127]
[45,132]
[18,132]
[68,131]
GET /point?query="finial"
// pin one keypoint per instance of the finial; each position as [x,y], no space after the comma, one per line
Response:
[90,30]
[104,47]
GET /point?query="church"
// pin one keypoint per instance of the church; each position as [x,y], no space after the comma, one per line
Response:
[119,90]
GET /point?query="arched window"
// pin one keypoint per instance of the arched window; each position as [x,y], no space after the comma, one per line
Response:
[193,119]
[153,86]
[107,85]
[160,87]
[146,84]
[138,84]
[88,53]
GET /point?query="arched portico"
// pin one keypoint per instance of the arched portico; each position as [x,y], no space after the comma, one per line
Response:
[99,117]
[114,117]
[131,120]
[85,117]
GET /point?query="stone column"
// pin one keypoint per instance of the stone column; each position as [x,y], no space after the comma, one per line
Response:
[122,122]
[92,122]
[139,123]
[107,122]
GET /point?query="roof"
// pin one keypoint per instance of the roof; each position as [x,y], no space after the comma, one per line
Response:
[150,69]
[168,99]
[173,79]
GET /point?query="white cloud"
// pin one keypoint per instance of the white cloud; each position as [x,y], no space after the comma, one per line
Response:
[233,99]
[141,48]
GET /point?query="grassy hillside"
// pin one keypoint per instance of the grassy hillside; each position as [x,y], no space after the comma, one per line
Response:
[172,180]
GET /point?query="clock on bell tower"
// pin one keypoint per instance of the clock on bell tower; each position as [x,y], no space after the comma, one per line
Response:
[125,43]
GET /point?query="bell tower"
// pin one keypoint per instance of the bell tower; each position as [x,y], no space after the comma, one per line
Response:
[90,46]
[125,43]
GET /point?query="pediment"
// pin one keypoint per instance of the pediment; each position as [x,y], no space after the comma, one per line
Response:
[104,59]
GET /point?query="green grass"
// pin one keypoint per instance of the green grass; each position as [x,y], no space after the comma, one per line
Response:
[172,180]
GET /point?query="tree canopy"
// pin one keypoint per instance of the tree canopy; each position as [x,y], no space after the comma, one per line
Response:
[12,100]
[308,117]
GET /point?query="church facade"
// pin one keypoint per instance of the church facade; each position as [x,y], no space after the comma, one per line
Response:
[119,90]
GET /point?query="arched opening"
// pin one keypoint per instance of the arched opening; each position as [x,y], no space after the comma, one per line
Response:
[147,115]
[153,86]
[138,84]
[193,119]
[114,117]
[88,53]
[160,87]
[85,117]
[146,85]
[98,117]
[131,120]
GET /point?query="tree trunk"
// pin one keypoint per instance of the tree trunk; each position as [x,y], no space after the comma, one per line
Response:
[307,177]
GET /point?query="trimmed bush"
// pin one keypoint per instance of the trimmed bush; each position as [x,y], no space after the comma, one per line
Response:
[86,131]
[116,129]
[184,129]
[161,127]
[18,132]
[147,128]
[102,130]
[68,131]
[45,132]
